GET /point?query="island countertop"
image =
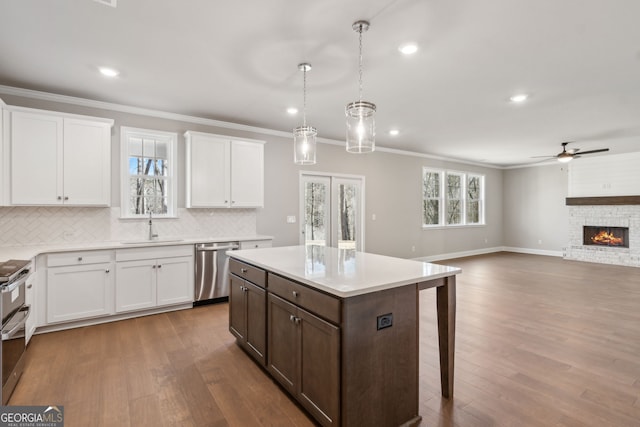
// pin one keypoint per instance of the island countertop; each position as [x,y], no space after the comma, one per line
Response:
[342,272]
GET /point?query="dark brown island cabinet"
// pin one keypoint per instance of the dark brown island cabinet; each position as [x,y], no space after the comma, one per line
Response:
[348,360]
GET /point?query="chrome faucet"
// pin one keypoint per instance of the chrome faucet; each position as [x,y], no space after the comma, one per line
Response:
[152,235]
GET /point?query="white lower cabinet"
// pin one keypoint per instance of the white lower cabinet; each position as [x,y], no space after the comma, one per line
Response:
[79,292]
[136,286]
[102,283]
[153,277]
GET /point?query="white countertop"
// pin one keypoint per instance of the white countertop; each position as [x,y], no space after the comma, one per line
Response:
[30,251]
[342,272]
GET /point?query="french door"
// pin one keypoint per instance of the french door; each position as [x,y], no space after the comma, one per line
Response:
[332,210]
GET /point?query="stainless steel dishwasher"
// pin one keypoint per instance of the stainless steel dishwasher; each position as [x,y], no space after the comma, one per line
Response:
[212,268]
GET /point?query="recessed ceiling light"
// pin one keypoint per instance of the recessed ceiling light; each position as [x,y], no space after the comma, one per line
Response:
[292,110]
[521,97]
[108,72]
[408,49]
[394,132]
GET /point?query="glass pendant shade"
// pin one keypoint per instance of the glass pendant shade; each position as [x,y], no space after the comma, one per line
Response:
[304,144]
[361,127]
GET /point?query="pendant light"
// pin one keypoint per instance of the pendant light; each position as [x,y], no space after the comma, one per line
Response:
[304,137]
[361,123]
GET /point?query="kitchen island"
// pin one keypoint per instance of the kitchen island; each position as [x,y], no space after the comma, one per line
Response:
[339,329]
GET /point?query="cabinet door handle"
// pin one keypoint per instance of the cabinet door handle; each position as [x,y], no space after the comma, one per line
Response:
[292,318]
[29,286]
[59,197]
[243,270]
[79,258]
[153,266]
[66,197]
[226,201]
[160,266]
[295,294]
[106,271]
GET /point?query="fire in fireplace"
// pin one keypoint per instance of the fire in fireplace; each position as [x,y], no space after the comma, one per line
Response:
[606,236]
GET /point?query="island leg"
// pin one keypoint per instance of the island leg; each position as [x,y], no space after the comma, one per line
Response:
[446,305]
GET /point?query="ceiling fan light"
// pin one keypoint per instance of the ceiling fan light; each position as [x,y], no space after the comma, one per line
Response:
[565,158]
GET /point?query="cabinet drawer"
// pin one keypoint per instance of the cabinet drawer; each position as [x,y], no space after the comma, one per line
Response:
[248,272]
[315,301]
[170,251]
[78,258]
[255,244]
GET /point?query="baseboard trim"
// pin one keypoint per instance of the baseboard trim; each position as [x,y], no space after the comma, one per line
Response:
[484,251]
[533,251]
[462,254]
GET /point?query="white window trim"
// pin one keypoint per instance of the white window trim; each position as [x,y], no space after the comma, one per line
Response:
[125,199]
[443,198]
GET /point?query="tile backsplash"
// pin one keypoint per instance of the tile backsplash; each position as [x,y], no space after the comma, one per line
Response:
[43,225]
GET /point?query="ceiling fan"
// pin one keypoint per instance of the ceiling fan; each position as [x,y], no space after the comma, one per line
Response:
[566,156]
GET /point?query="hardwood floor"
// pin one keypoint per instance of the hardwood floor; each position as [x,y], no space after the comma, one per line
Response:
[540,342]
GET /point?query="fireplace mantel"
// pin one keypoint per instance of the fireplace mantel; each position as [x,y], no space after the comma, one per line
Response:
[605,200]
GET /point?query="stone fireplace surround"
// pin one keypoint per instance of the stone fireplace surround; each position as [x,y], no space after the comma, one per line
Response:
[596,211]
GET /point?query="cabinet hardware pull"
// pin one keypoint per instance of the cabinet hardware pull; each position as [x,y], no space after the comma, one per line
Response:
[153,266]
[295,294]
[160,266]
[79,258]
[292,318]
[106,271]
[226,201]
[30,286]
[243,270]
[66,197]
[59,198]
[297,321]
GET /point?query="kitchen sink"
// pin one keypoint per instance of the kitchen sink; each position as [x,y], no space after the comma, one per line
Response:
[147,241]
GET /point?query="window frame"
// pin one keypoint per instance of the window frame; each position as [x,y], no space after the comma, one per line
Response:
[443,200]
[126,133]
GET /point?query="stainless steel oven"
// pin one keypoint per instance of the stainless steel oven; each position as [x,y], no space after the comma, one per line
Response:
[14,313]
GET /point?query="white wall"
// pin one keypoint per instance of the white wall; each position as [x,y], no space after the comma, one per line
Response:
[535,214]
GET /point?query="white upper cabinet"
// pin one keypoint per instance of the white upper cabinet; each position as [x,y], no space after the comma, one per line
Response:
[59,160]
[247,174]
[223,172]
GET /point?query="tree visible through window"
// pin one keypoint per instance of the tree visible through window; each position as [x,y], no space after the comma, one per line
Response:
[452,198]
[474,199]
[315,199]
[430,197]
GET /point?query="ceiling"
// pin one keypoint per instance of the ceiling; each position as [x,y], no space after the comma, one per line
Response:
[237,61]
